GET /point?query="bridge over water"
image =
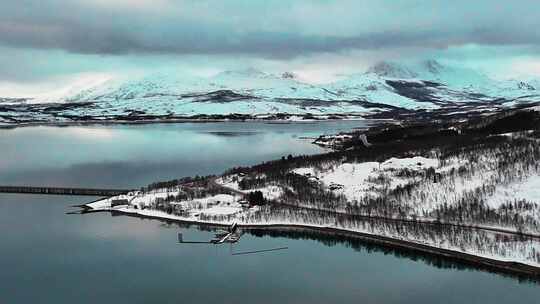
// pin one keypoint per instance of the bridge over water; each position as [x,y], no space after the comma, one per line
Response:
[63,190]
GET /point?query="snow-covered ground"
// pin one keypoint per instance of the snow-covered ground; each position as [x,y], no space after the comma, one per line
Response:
[139,203]
[527,189]
[357,181]
[422,186]
[225,209]
[363,182]
[270,192]
[354,180]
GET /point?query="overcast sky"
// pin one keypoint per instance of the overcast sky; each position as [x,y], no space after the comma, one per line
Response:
[43,40]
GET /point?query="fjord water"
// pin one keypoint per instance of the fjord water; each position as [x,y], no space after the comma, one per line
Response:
[48,256]
[136,155]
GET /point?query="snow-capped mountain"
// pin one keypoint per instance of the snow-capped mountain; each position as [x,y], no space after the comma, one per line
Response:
[385,82]
[427,85]
[386,69]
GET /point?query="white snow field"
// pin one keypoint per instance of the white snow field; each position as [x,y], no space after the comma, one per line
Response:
[355,180]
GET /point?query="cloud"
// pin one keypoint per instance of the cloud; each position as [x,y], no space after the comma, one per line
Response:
[264,44]
[47,44]
[270,29]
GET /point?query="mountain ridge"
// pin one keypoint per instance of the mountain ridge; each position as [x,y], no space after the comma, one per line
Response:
[426,85]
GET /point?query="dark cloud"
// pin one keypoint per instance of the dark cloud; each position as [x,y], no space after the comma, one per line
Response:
[79,27]
[79,39]
[73,38]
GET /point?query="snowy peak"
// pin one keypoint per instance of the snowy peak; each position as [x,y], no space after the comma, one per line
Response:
[456,77]
[433,66]
[387,69]
[288,75]
[431,70]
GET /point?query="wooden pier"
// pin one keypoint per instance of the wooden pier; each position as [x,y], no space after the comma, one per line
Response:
[63,191]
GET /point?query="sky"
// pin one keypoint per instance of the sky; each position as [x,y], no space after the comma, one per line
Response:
[44,43]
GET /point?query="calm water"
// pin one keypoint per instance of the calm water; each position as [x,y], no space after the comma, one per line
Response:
[50,257]
[135,155]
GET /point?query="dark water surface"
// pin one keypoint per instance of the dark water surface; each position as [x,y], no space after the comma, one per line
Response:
[135,155]
[47,256]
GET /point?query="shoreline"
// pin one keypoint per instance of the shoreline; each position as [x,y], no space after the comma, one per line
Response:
[499,266]
[425,221]
[181,121]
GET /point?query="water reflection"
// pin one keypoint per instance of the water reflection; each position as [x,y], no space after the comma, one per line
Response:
[352,241]
[136,155]
[50,257]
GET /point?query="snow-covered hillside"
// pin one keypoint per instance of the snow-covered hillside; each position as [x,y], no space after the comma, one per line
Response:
[371,86]
[385,87]
[224,200]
